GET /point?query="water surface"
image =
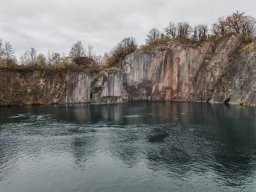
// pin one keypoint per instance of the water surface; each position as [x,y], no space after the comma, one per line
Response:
[158,146]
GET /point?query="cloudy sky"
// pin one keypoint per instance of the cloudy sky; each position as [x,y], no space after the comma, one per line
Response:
[57,24]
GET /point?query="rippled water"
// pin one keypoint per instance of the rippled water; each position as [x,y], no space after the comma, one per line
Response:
[157,146]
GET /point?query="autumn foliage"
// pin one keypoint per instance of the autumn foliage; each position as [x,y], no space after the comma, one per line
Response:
[237,23]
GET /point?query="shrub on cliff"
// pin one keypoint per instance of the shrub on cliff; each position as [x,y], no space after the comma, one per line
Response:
[120,51]
[81,57]
[237,23]
[7,58]
[181,32]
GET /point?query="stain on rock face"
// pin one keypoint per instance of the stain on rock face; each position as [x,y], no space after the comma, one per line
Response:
[179,72]
[212,72]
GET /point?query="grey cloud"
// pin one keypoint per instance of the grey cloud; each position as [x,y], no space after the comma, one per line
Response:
[57,24]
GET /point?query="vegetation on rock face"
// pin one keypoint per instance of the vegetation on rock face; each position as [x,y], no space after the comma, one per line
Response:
[80,59]
[120,51]
[7,57]
[79,56]
[37,75]
[237,23]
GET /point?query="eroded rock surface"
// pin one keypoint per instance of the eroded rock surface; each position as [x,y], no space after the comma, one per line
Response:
[215,71]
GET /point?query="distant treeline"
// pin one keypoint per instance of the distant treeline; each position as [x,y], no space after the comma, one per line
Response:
[237,23]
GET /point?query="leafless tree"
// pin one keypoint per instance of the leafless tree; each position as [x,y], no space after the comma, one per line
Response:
[200,32]
[25,58]
[171,30]
[2,52]
[32,54]
[121,50]
[153,36]
[77,51]
[219,28]
[9,52]
[90,51]
[183,30]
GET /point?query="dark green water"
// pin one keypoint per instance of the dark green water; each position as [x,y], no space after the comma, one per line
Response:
[140,147]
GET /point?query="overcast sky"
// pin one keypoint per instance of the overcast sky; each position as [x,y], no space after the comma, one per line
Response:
[57,24]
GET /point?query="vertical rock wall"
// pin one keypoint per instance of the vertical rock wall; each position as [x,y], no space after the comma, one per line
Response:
[215,71]
[178,72]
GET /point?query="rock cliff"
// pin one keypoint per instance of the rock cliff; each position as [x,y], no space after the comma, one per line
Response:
[36,88]
[218,71]
[214,72]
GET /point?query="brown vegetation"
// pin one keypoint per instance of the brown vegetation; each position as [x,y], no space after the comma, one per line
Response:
[122,49]
[81,59]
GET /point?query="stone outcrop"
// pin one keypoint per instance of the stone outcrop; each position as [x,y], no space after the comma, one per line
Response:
[178,72]
[39,88]
[213,72]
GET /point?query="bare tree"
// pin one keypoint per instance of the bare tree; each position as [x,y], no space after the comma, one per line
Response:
[121,50]
[9,52]
[2,51]
[183,30]
[90,51]
[54,58]
[41,59]
[195,34]
[249,27]
[128,44]
[153,36]
[77,51]
[219,28]
[171,30]
[200,33]
[29,57]
[32,54]
[25,58]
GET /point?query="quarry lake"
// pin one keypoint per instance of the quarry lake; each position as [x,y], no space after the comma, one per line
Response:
[137,146]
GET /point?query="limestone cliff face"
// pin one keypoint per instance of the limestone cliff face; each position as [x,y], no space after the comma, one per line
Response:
[237,84]
[39,88]
[215,72]
[178,72]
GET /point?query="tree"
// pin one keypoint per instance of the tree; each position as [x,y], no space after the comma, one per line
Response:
[9,53]
[219,28]
[25,58]
[32,55]
[195,34]
[200,33]
[171,30]
[29,57]
[90,51]
[153,36]
[237,23]
[54,58]
[41,59]
[249,27]
[121,50]
[127,45]
[2,51]
[77,51]
[183,30]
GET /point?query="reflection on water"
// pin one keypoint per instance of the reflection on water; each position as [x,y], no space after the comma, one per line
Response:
[140,146]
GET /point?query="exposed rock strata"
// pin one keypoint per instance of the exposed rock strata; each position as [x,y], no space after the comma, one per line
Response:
[214,71]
